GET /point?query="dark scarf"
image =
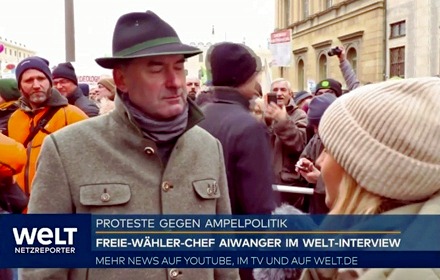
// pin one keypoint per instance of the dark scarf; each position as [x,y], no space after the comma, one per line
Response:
[158,131]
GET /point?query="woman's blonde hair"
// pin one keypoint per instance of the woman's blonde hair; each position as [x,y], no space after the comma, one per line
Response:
[352,199]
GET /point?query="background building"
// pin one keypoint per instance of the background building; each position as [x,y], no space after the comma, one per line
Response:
[13,52]
[318,25]
[413,38]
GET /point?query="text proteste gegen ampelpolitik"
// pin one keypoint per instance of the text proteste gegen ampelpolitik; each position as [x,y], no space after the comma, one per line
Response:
[189,223]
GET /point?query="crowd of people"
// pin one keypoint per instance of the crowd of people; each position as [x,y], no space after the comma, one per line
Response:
[149,140]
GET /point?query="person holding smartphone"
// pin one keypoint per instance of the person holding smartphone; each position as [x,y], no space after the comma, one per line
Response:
[287,127]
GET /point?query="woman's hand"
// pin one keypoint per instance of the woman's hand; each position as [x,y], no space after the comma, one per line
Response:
[308,170]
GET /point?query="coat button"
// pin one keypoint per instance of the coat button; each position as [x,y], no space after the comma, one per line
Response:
[212,189]
[105,197]
[174,273]
[149,151]
[166,186]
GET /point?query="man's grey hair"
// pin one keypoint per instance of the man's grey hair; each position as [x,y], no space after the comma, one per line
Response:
[280,80]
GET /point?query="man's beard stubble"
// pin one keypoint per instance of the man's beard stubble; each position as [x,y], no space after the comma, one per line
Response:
[39,99]
[192,95]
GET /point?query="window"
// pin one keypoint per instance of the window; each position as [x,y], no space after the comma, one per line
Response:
[300,81]
[305,7]
[286,12]
[327,4]
[398,29]
[322,67]
[352,58]
[397,62]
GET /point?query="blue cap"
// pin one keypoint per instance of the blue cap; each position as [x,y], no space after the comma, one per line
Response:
[317,107]
[300,96]
[33,62]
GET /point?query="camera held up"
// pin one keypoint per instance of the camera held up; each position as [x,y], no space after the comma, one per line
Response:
[334,51]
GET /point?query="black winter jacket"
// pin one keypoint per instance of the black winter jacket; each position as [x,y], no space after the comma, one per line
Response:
[86,105]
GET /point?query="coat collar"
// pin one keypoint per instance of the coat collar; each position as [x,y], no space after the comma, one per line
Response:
[230,95]
[75,95]
[291,106]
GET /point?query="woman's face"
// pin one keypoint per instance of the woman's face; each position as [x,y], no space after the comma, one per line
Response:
[332,174]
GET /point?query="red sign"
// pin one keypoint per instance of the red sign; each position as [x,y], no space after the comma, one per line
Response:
[282,36]
[281,48]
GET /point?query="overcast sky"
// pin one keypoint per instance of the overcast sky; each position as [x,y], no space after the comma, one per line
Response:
[40,23]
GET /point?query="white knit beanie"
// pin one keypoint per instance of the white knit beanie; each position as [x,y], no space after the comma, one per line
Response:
[387,137]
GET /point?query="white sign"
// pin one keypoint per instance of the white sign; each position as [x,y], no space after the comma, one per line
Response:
[281,48]
[91,80]
[311,84]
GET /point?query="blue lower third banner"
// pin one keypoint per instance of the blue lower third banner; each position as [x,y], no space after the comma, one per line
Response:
[219,241]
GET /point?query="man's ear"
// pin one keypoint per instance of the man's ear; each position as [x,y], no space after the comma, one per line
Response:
[119,78]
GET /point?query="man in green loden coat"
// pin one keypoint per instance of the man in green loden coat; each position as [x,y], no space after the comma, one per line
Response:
[148,156]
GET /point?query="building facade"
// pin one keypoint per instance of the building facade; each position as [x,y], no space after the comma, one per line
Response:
[319,25]
[413,38]
[12,53]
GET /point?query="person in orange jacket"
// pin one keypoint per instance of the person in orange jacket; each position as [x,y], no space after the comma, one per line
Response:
[12,156]
[12,160]
[35,84]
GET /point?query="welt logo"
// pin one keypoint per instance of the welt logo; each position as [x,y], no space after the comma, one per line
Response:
[44,236]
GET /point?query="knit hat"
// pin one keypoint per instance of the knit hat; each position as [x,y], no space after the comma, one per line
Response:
[9,89]
[109,84]
[300,96]
[330,84]
[386,137]
[317,107]
[232,64]
[65,70]
[33,62]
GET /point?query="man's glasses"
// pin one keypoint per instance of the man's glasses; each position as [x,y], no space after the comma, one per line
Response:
[61,82]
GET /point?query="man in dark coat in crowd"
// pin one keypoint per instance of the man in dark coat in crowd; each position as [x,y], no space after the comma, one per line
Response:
[245,142]
[66,82]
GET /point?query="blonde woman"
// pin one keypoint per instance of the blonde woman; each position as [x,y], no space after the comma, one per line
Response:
[382,155]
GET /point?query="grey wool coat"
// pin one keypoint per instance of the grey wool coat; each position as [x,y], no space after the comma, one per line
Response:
[105,166]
